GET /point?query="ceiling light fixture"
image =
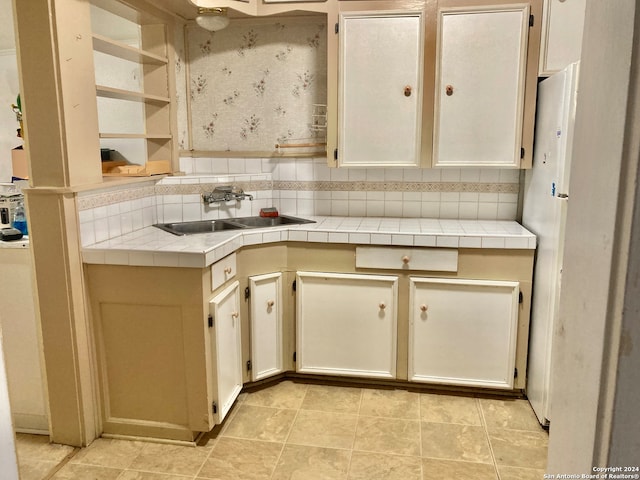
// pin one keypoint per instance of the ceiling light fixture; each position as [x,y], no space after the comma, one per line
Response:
[212,19]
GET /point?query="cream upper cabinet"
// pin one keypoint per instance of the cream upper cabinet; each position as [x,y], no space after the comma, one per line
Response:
[561,44]
[226,349]
[481,65]
[380,88]
[346,324]
[463,332]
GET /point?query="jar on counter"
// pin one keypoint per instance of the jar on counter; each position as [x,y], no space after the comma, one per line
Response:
[20,219]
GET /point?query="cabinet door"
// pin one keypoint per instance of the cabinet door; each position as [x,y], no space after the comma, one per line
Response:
[480,79]
[266,325]
[463,332]
[346,324]
[226,348]
[561,34]
[380,89]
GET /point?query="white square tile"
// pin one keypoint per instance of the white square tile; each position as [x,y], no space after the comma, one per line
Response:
[411,209]
[357,195]
[305,207]
[516,242]
[511,175]
[297,236]
[270,237]
[87,234]
[113,209]
[449,209]
[116,257]
[402,240]
[93,256]
[470,175]
[424,240]
[360,238]
[380,239]
[468,211]
[101,229]
[487,211]
[191,212]
[492,242]
[165,259]
[470,242]
[236,165]
[304,170]
[431,175]
[322,207]
[320,237]
[191,260]
[218,166]
[252,238]
[507,211]
[393,174]
[284,235]
[375,175]
[100,212]
[450,175]
[172,213]
[340,207]
[141,258]
[115,228]
[447,241]
[85,216]
[338,237]
[489,175]
[126,224]
[393,209]
[375,208]
[186,165]
[253,165]
[339,174]
[321,172]
[357,174]
[357,208]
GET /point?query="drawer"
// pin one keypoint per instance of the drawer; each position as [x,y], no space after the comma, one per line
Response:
[223,271]
[403,258]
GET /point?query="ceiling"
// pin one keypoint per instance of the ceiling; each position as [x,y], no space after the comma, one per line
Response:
[184,9]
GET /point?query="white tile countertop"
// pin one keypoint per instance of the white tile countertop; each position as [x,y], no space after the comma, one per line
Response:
[151,246]
[22,243]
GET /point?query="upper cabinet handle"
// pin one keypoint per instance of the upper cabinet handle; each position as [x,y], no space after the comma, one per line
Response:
[407,91]
[448,90]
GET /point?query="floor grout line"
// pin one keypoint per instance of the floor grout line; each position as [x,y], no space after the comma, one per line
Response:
[486,434]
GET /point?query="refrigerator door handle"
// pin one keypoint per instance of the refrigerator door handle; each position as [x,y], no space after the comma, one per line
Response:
[563,195]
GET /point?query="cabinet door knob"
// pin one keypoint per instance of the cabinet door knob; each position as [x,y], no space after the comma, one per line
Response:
[406,259]
[382,305]
[448,90]
[407,91]
[234,315]
[227,270]
[424,307]
[270,303]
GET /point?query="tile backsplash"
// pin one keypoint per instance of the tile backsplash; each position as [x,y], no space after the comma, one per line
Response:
[299,186]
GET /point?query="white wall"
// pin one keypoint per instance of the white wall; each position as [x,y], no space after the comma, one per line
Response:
[9,89]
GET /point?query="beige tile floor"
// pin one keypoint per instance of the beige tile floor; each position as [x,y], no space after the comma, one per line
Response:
[307,432]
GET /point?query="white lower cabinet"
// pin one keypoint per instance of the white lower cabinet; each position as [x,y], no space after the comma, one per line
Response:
[266,325]
[463,332]
[226,350]
[346,324]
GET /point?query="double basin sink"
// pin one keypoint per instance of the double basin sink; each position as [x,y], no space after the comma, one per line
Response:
[208,226]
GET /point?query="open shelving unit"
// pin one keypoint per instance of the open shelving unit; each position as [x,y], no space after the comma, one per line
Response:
[143,144]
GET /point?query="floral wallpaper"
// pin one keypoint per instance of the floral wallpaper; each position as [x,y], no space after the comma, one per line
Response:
[254,84]
[181,88]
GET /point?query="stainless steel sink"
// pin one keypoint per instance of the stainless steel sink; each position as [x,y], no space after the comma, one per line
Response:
[208,226]
[261,222]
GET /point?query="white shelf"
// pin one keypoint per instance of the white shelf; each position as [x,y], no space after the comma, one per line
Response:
[126,52]
[109,92]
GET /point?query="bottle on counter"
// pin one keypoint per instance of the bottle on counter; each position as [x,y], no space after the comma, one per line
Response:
[20,219]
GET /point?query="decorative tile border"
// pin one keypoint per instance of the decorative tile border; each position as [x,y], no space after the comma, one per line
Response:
[443,187]
[86,202]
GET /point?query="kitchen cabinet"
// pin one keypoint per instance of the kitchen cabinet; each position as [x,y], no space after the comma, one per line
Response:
[266,325]
[136,86]
[480,85]
[463,332]
[316,309]
[226,350]
[561,41]
[380,88]
[346,324]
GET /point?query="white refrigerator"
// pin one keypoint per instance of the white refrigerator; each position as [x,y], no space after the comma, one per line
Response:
[546,193]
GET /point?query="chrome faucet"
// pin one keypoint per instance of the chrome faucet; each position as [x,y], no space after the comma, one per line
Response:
[225,193]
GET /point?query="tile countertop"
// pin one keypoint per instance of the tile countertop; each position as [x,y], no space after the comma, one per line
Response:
[22,243]
[151,246]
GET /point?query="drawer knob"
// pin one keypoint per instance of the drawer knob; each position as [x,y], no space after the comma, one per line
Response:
[406,259]
[424,307]
[235,315]
[448,90]
[227,270]
[382,305]
[270,303]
